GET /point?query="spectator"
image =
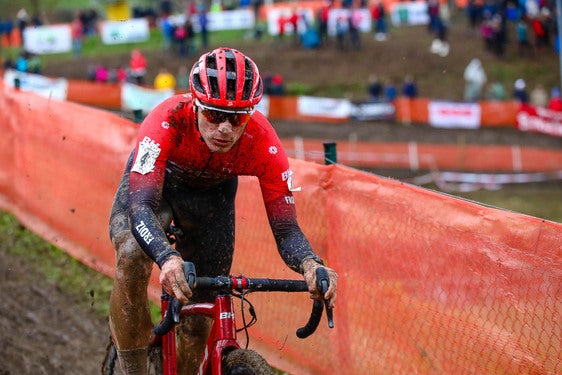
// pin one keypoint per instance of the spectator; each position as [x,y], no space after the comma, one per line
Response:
[555,102]
[277,87]
[524,46]
[34,63]
[323,21]
[182,78]
[475,78]
[102,73]
[22,65]
[409,87]
[77,32]
[390,91]
[22,21]
[121,74]
[180,39]
[164,80]
[354,21]
[203,26]
[495,91]
[520,91]
[167,30]
[137,65]
[375,88]
[378,15]
[539,96]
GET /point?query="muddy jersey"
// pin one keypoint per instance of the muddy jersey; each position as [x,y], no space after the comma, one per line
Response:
[171,152]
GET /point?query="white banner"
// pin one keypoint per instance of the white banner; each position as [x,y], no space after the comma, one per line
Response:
[454,115]
[540,120]
[135,97]
[402,13]
[241,19]
[129,31]
[323,107]
[47,39]
[373,111]
[48,87]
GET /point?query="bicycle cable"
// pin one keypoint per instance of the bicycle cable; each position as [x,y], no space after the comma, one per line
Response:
[252,311]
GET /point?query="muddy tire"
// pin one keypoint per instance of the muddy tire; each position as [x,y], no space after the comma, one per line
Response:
[245,362]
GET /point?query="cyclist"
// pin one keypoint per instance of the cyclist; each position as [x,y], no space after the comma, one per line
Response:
[184,169]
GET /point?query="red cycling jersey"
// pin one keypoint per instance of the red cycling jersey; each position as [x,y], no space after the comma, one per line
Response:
[170,150]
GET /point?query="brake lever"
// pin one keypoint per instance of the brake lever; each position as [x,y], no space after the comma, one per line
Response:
[323,283]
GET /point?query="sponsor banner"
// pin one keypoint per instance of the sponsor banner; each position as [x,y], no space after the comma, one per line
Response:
[323,107]
[135,97]
[305,17]
[341,13]
[540,120]
[372,111]
[454,115]
[54,88]
[47,39]
[240,19]
[128,31]
[409,13]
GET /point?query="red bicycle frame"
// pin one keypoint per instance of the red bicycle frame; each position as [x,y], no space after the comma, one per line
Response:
[223,335]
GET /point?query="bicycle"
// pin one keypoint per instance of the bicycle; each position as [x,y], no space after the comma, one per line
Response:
[223,352]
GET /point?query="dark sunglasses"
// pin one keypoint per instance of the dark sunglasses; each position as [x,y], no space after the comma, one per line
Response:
[217,116]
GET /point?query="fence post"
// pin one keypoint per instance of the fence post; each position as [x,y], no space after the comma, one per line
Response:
[330,154]
[138,115]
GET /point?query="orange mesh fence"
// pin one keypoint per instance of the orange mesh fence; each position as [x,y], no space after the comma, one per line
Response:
[428,283]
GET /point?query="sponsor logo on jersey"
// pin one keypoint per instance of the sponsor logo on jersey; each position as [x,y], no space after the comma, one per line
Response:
[288,176]
[144,232]
[146,156]
[273,150]
[165,124]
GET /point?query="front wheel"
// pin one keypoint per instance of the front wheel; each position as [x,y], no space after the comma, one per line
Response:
[245,362]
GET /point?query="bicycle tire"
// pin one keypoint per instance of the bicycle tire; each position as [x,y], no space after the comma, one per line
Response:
[245,362]
[154,361]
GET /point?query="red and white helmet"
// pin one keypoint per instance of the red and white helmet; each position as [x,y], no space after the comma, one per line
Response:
[227,78]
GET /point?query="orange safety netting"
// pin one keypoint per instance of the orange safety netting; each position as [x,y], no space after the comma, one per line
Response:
[428,283]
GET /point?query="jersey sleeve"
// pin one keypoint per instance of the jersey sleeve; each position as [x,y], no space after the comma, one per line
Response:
[277,191]
[155,138]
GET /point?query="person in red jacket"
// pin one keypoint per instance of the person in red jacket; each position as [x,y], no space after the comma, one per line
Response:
[184,169]
[137,66]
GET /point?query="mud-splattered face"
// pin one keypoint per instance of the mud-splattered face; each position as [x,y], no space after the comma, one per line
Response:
[221,129]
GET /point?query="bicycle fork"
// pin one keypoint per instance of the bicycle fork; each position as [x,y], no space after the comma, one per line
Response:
[222,335]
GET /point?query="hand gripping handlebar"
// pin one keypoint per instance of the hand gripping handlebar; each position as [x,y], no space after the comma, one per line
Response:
[241,283]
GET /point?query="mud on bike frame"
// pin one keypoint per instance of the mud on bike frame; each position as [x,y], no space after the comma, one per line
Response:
[223,353]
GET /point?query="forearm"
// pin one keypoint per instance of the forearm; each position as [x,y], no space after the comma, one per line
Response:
[149,234]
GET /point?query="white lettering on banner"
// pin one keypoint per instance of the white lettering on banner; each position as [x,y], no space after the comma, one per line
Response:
[128,31]
[372,111]
[239,19]
[47,39]
[454,115]
[146,156]
[542,124]
[324,107]
[144,232]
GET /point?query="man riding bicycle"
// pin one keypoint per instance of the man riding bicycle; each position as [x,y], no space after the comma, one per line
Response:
[184,169]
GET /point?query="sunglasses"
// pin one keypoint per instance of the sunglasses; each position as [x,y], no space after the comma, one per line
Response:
[218,116]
